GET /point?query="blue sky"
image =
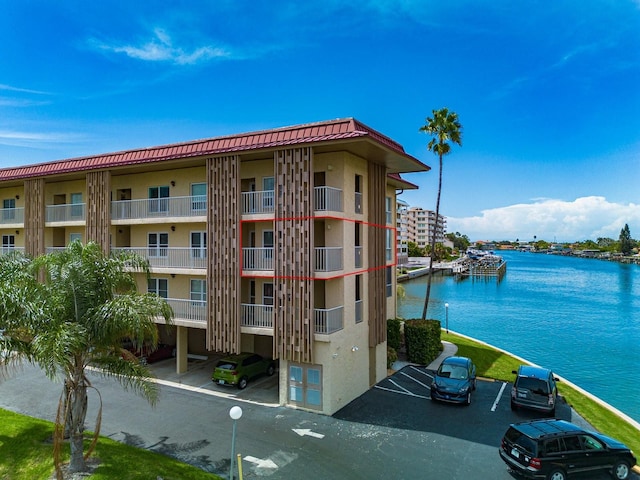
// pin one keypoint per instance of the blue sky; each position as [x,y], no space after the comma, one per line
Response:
[548,93]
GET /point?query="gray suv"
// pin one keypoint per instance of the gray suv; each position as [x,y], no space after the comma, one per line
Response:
[534,388]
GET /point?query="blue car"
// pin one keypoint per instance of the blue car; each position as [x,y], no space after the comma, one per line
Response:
[454,381]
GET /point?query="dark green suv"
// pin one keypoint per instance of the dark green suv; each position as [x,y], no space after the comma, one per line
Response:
[553,449]
[239,369]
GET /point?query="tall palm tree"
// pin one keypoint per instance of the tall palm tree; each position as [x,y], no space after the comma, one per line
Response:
[76,318]
[444,127]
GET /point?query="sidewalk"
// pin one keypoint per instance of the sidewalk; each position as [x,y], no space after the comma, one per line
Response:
[448,349]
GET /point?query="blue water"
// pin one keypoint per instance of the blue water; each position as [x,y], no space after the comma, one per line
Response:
[578,317]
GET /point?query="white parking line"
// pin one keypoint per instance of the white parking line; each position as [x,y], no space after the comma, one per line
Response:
[495,404]
[400,393]
[421,371]
[417,381]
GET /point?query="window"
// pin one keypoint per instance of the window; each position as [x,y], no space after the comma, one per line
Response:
[198,292]
[267,294]
[199,196]
[389,281]
[388,209]
[389,245]
[358,280]
[267,243]
[8,209]
[198,244]
[159,199]
[268,187]
[75,237]
[158,286]
[76,205]
[158,244]
[305,385]
[8,243]
[358,196]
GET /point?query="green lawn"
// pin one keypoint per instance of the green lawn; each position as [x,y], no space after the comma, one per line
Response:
[26,453]
[495,364]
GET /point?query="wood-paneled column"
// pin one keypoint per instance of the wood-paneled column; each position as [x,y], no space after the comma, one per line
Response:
[293,255]
[223,254]
[377,182]
[98,209]
[34,216]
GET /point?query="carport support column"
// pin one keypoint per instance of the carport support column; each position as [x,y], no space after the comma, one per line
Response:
[182,348]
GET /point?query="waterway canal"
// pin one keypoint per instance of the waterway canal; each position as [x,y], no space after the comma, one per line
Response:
[579,317]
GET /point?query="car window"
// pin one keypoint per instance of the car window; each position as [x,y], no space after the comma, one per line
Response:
[534,384]
[519,439]
[453,371]
[226,365]
[552,446]
[251,360]
[572,443]
[591,443]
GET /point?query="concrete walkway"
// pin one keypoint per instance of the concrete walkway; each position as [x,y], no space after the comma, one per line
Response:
[448,349]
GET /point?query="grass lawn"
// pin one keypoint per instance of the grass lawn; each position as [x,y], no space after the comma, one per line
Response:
[492,363]
[26,453]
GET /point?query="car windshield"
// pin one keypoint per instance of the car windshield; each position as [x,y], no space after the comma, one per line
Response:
[453,371]
[521,440]
[226,365]
[534,384]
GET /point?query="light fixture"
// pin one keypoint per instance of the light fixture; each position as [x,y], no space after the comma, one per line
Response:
[17,232]
[354,349]
[17,197]
[173,183]
[329,167]
[173,228]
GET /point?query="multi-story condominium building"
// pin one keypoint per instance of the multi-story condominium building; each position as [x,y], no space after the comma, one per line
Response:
[280,242]
[402,232]
[421,224]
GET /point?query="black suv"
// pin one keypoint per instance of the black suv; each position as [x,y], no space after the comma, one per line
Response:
[534,388]
[553,449]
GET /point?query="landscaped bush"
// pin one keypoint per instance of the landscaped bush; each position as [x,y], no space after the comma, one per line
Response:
[392,356]
[393,333]
[422,340]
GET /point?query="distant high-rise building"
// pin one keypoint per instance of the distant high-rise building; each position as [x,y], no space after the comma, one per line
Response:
[420,224]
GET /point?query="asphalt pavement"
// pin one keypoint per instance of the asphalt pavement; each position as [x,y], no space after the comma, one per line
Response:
[392,431]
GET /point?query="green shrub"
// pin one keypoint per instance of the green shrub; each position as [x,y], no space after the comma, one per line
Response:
[392,356]
[393,333]
[422,340]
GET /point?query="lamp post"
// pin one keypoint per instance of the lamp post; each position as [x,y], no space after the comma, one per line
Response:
[235,413]
[446,316]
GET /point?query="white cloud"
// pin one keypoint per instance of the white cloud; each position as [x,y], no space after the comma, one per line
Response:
[162,49]
[550,219]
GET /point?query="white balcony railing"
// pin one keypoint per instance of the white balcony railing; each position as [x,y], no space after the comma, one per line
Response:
[328,320]
[74,212]
[170,257]
[358,202]
[192,310]
[11,215]
[9,249]
[328,259]
[254,315]
[327,199]
[260,258]
[258,202]
[359,311]
[190,206]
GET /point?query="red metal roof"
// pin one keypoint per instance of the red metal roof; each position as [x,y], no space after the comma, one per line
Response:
[326,131]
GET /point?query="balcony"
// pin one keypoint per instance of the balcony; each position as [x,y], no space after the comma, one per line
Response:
[359,314]
[327,199]
[258,202]
[328,321]
[189,310]
[149,208]
[257,316]
[358,257]
[7,249]
[327,259]
[170,257]
[12,216]
[260,259]
[66,213]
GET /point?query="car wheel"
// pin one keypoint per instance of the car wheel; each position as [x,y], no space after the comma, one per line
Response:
[271,370]
[620,470]
[242,383]
[475,384]
[557,474]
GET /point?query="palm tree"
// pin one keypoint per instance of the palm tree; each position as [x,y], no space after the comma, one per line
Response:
[77,317]
[444,127]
